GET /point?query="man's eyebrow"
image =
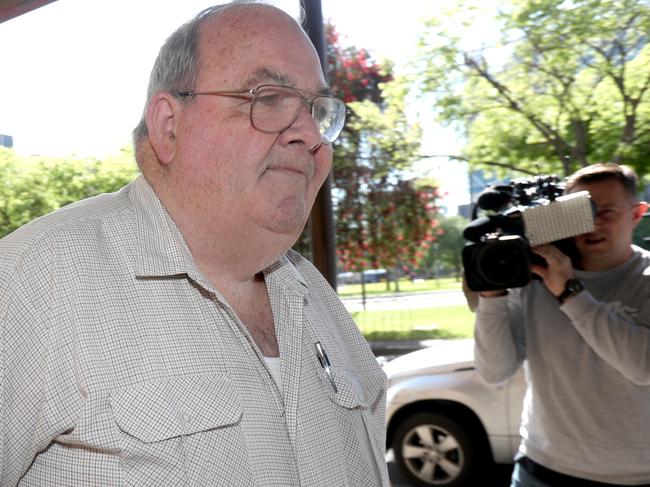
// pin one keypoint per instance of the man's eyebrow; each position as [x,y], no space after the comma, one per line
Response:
[266,75]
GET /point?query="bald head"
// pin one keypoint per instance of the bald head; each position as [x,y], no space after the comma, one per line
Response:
[178,64]
[237,48]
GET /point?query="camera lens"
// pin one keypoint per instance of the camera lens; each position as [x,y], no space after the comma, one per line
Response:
[503,264]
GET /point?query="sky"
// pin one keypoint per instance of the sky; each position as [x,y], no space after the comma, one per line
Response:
[74,73]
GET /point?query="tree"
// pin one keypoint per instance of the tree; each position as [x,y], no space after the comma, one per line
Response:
[446,253]
[383,219]
[392,229]
[566,85]
[33,186]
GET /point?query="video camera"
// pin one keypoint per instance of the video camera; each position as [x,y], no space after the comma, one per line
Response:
[525,213]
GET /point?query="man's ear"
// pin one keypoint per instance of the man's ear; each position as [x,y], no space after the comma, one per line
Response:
[162,118]
[639,210]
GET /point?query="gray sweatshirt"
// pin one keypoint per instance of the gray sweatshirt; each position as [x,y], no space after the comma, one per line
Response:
[587,407]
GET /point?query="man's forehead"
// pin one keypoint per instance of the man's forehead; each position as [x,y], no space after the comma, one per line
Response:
[608,192]
[237,24]
[250,46]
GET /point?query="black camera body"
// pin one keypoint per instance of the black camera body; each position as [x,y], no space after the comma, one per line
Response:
[525,213]
[498,262]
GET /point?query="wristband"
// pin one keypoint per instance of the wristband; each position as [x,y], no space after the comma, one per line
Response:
[571,288]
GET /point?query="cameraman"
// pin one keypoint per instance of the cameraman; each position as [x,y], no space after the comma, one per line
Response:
[583,335]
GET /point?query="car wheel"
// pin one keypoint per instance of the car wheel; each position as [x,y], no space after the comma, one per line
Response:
[434,450]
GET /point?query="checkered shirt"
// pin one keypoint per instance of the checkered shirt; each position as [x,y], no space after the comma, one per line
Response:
[122,365]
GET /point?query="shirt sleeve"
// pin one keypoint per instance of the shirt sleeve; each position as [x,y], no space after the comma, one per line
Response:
[499,345]
[38,399]
[619,341]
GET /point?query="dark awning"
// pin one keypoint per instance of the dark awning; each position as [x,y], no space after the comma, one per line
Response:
[13,8]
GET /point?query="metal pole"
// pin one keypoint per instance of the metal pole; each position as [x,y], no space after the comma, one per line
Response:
[321,219]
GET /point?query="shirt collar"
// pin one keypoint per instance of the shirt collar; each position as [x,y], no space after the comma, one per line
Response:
[285,274]
[162,248]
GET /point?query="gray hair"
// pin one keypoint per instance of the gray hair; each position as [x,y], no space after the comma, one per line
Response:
[177,66]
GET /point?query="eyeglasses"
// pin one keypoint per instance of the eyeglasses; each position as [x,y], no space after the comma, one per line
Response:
[274,108]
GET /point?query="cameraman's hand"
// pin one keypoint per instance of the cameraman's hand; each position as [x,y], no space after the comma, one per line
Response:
[558,271]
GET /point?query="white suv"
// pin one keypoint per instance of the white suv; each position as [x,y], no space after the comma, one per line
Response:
[444,423]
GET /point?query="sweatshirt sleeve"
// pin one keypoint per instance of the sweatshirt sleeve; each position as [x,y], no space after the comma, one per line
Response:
[499,345]
[619,341]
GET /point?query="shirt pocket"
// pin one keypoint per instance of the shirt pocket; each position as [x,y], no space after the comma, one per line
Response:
[352,392]
[361,405]
[176,428]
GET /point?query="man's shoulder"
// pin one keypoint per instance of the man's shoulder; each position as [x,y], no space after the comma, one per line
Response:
[643,259]
[72,226]
[643,265]
[645,254]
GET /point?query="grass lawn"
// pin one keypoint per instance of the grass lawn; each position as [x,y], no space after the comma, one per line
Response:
[416,324]
[405,286]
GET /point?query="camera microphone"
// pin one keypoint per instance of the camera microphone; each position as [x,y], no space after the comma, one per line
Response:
[495,198]
[478,228]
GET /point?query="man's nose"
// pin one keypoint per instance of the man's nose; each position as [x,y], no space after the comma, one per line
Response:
[304,129]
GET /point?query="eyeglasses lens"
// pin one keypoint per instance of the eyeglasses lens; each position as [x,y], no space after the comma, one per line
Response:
[329,114]
[275,108]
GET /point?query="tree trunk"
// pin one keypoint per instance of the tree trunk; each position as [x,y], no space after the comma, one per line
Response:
[396,277]
[580,130]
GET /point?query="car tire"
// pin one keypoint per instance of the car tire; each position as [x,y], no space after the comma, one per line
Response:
[433,449]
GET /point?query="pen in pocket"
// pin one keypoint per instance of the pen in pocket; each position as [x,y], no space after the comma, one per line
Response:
[325,363]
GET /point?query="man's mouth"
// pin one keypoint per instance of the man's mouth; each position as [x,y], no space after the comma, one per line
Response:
[305,170]
[288,169]
[593,240]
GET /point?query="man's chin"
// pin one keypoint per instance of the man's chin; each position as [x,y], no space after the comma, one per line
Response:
[595,252]
[291,215]
[287,229]
[592,250]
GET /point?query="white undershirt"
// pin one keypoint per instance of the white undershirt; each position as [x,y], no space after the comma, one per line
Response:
[273,363]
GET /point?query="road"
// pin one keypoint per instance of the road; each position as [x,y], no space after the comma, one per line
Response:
[498,477]
[408,301]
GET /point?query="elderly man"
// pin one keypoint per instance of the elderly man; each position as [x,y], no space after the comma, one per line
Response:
[165,334]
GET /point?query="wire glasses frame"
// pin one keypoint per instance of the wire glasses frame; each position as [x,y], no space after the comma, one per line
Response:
[274,108]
